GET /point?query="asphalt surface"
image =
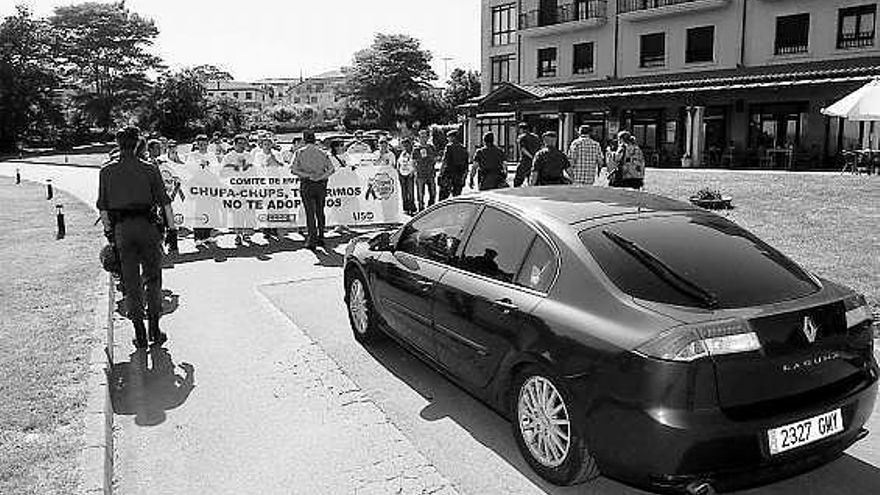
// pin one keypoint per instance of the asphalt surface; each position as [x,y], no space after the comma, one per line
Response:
[277,397]
[470,443]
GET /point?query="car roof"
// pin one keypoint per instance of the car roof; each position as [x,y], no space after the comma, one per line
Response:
[576,204]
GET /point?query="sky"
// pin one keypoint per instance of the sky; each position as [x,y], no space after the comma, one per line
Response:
[254,39]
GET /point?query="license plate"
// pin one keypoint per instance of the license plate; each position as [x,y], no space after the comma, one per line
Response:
[794,435]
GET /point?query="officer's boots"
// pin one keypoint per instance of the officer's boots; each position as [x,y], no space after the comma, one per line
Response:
[157,337]
[140,334]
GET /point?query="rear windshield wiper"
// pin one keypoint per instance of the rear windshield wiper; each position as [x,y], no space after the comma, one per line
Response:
[664,271]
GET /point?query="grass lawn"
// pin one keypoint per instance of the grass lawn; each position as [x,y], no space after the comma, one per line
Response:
[828,223]
[47,321]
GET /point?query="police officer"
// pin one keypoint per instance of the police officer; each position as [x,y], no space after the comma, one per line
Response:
[129,191]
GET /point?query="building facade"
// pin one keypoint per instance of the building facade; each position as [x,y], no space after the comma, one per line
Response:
[733,83]
[252,95]
[318,91]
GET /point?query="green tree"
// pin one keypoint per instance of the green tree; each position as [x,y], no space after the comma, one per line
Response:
[225,115]
[388,76]
[103,48]
[208,73]
[177,105]
[28,83]
[461,87]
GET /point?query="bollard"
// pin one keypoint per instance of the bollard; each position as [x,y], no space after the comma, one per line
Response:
[49,192]
[18,176]
[62,229]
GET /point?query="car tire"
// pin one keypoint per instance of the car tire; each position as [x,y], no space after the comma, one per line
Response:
[361,312]
[540,434]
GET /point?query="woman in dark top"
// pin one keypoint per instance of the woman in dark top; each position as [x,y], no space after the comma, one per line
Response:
[489,165]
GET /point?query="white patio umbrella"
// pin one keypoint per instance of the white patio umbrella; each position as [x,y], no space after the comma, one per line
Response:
[861,105]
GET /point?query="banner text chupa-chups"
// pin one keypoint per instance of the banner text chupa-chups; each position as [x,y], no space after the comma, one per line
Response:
[270,197]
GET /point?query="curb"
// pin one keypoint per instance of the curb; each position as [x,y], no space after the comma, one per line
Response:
[97,453]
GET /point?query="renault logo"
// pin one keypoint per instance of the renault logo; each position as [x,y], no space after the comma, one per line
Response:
[810,329]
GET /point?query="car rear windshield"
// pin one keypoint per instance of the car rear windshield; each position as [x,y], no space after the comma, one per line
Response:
[694,260]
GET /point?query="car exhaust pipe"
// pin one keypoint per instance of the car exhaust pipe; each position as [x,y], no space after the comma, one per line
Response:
[699,488]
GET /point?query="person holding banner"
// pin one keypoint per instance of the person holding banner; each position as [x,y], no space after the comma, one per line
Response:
[171,155]
[406,171]
[200,161]
[314,168]
[426,160]
[384,157]
[238,160]
[264,158]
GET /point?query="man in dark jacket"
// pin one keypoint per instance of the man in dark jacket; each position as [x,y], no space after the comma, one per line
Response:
[529,144]
[550,164]
[129,191]
[454,167]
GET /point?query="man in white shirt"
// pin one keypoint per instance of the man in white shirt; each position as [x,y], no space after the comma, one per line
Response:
[238,159]
[200,158]
[217,147]
[384,157]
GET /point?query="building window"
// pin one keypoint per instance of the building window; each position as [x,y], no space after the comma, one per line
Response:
[653,50]
[314,99]
[855,26]
[235,94]
[792,34]
[583,58]
[248,95]
[503,24]
[588,9]
[547,62]
[700,45]
[501,69]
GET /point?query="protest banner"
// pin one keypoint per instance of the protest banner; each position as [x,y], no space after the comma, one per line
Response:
[270,197]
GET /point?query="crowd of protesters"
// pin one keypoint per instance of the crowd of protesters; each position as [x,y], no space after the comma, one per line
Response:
[430,167]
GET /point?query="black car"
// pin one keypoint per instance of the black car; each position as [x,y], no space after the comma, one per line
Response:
[624,333]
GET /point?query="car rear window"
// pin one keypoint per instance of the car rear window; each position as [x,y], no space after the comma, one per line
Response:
[716,255]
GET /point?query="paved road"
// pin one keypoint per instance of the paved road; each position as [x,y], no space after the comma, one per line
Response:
[268,412]
[472,445]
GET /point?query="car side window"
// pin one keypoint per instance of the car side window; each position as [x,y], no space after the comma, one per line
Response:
[437,235]
[497,246]
[540,267]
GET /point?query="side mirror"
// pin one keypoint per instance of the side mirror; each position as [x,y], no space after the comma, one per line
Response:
[382,242]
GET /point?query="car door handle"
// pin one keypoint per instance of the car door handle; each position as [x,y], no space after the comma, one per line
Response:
[506,305]
[424,285]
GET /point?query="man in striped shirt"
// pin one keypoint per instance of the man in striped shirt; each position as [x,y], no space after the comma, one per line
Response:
[586,158]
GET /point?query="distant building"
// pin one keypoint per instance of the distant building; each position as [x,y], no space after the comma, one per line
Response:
[280,85]
[720,82]
[254,95]
[320,91]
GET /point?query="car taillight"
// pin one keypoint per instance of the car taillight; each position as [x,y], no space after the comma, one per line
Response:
[690,342]
[857,310]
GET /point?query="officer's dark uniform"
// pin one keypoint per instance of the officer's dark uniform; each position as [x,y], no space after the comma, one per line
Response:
[129,191]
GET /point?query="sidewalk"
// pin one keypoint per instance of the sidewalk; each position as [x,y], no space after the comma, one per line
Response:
[267,411]
[242,401]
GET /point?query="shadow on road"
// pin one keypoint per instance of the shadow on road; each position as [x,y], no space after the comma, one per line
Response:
[448,401]
[261,251]
[148,385]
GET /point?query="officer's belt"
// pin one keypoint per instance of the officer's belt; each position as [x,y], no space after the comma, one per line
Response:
[122,215]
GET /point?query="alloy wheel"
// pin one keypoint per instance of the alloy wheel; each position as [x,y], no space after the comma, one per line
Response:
[359,307]
[544,421]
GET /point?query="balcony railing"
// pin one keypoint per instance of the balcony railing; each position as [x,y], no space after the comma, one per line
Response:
[859,40]
[624,6]
[572,12]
